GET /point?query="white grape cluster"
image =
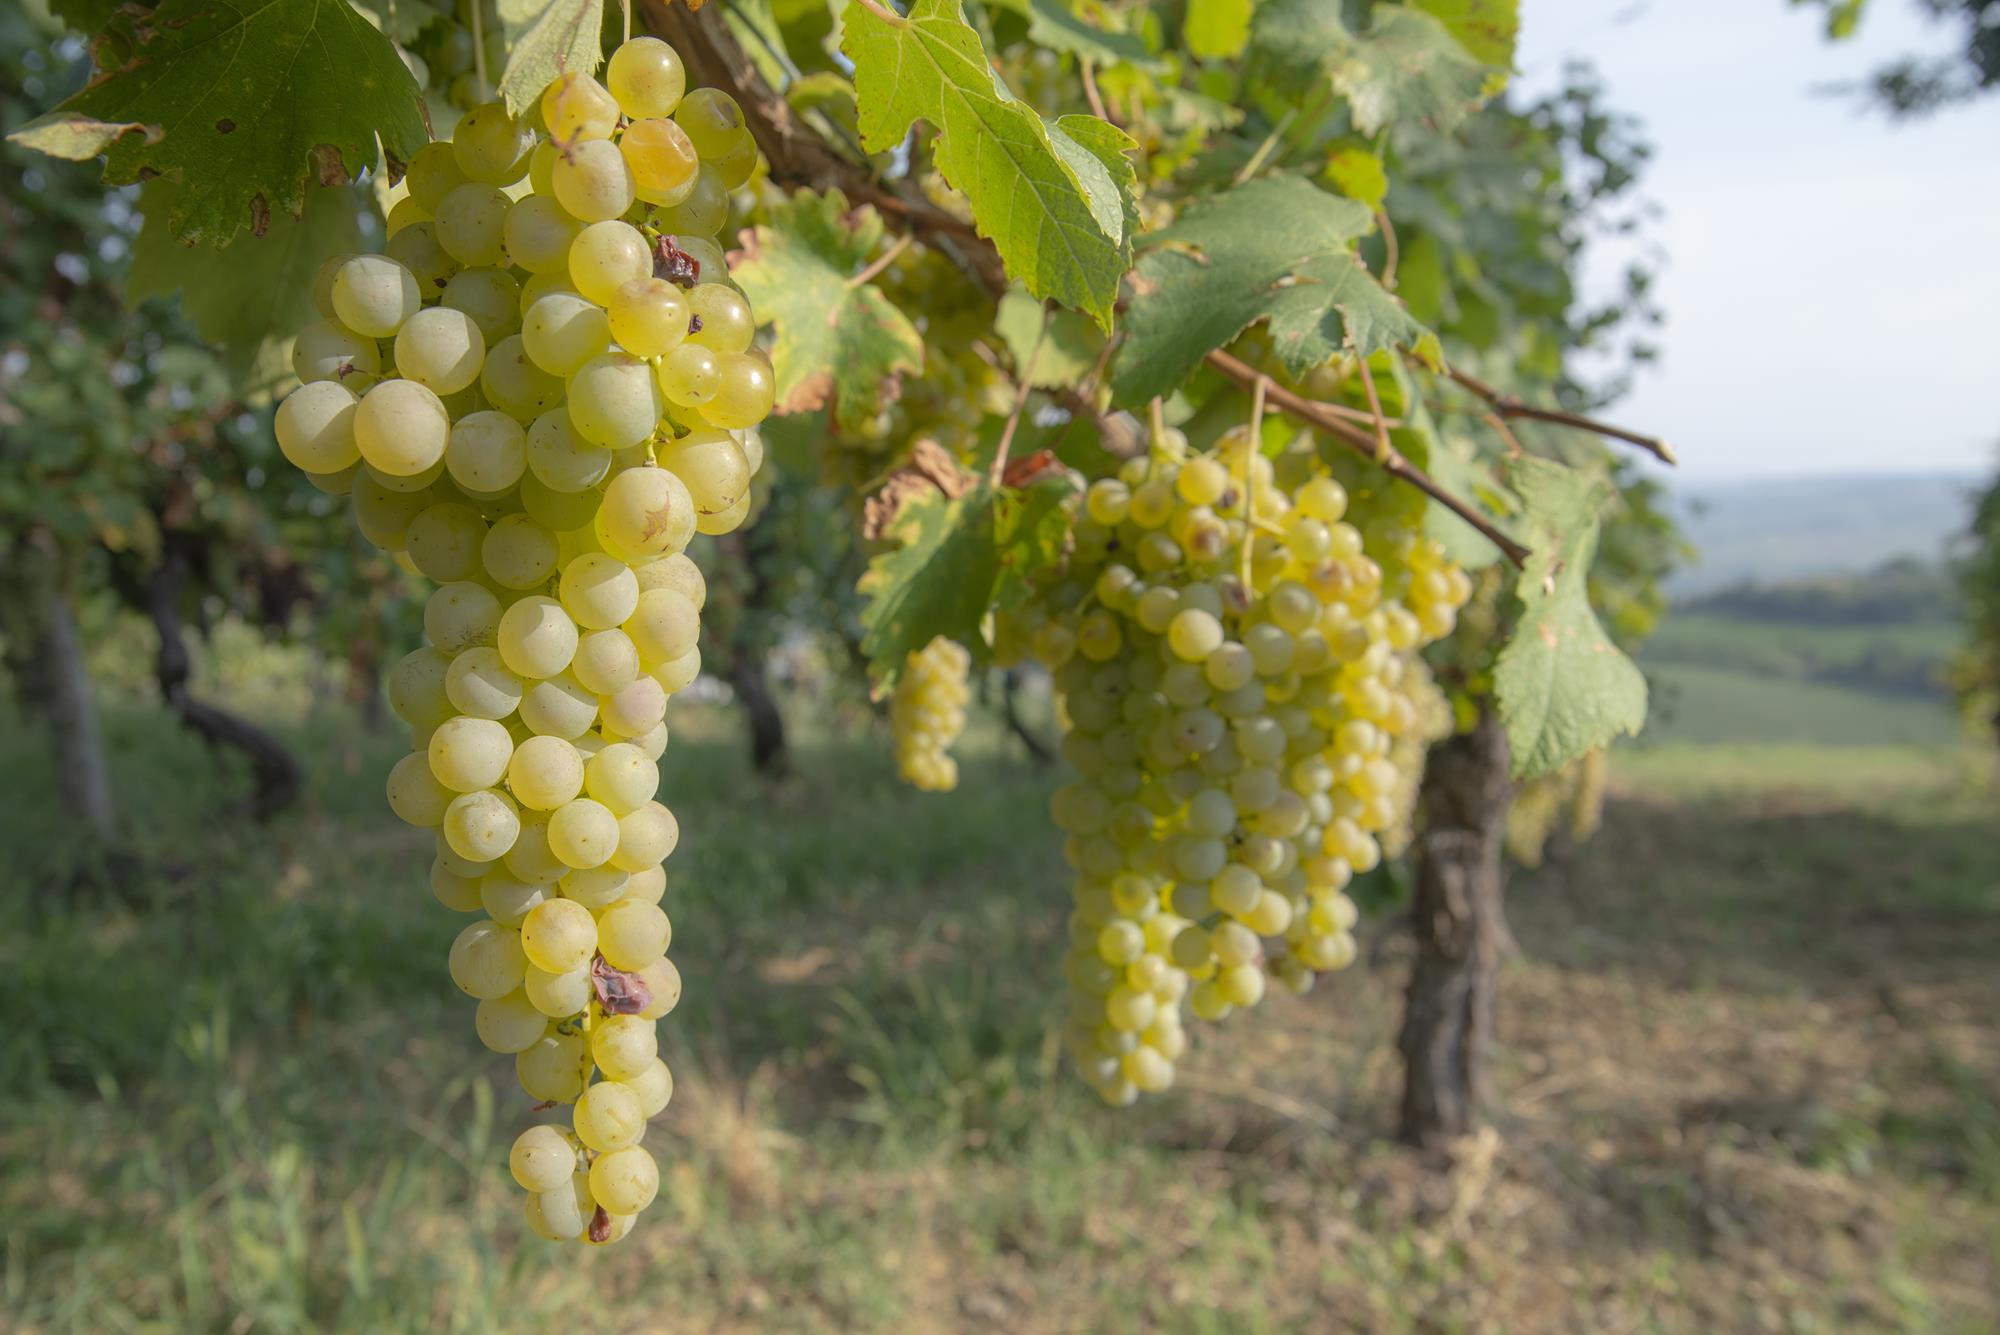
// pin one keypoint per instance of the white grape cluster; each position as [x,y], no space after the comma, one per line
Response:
[927,713]
[536,398]
[1236,671]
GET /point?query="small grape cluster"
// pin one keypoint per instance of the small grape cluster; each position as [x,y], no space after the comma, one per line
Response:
[927,713]
[536,398]
[1237,673]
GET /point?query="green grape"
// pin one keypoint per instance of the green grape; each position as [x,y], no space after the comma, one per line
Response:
[559,935]
[542,284]
[373,295]
[563,330]
[416,688]
[706,254]
[562,460]
[542,168]
[444,542]
[654,1086]
[711,119]
[458,893]
[633,710]
[648,317]
[661,626]
[491,297]
[481,825]
[509,1024]
[711,465]
[737,163]
[583,833]
[481,686]
[726,322]
[400,428]
[322,284]
[621,777]
[417,249]
[690,375]
[625,1181]
[650,885]
[542,1159]
[536,637]
[745,393]
[608,1117]
[646,77]
[486,453]
[559,995]
[315,427]
[470,225]
[598,591]
[646,836]
[678,573]
[460,615]
[518,553]
[486,960]
[467,754]
[633,934]
[530,858]
[623,1045]
[326,350]
[662,161]
[559,707]
[545,772]
[515,385]
[508,901]
[441,349]
[383,514]
[703,212]
[576,109]
[538,233]
[555,1215]
[554,1070]
[613,400]
[561,511]
[606,660]
[679,673]
[596,888]
[593,182]
[490,146]
[415,795]
[433,173]
[605,256]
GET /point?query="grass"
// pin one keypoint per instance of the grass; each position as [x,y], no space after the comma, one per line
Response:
[1749,1074]
[1719,706]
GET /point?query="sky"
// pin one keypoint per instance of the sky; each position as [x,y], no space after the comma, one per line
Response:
[1832,280]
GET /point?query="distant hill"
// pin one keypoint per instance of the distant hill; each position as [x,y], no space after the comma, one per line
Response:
[1769,531]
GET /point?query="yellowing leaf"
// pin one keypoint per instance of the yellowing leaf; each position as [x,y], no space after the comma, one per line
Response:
[840,344]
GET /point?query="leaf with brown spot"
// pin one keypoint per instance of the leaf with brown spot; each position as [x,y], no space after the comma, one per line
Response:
[930,469]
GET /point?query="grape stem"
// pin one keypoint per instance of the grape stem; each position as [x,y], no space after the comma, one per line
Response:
[800,156]
[882,261]
[1025,386]
[1507,406]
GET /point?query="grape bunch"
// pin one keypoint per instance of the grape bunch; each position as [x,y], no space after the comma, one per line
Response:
[1239,677]
[536,398]
[927,713]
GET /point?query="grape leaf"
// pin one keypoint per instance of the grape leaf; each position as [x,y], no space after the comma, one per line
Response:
[1066,354]
[238,98]
[1485,28]
[957,557]
[1358,174]
[1276,249]
[1053,24]
[1217,29]
[84,16]
[250,296]
[1045,196]
[1407,65]
[1562,687]
[544,40]
[840,344]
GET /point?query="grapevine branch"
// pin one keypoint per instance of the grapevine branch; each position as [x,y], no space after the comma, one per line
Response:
[798,155]
[1507,406]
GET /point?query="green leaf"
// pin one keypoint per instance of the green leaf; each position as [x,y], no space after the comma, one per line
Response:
[242,99]
[545,40]
[839,344]
[402,20]
[1055,25]
[954,560]
[1358,174]
[1276,249]
[251,296]
[1487,29]
[1217,29]
[1067,353]
[84,16]
[1562,687]
[1407,66]
[1045,196]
